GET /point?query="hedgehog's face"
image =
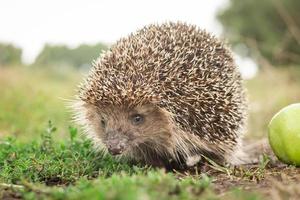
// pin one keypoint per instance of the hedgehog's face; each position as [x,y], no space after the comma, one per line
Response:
[125,130]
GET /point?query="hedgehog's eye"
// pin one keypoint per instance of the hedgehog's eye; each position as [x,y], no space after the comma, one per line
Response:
[103,123]
[137,119]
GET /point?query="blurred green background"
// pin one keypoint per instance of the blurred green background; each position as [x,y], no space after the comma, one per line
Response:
[267,31]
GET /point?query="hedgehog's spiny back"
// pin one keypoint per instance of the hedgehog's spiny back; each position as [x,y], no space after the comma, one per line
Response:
[183,70]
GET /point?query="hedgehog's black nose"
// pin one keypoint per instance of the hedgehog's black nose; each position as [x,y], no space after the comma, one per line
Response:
[115,149]
[116,142]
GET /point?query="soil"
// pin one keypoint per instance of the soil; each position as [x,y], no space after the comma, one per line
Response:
[273,179]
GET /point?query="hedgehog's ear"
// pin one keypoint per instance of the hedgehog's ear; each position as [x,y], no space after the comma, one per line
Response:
[166,113]
[155,100]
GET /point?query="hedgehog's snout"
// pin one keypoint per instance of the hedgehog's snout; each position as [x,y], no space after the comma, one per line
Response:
[115,148]
[115,143]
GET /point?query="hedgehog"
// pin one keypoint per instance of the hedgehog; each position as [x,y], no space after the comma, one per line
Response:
[167,95]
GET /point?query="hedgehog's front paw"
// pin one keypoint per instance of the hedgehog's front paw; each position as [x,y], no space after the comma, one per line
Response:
[193,160]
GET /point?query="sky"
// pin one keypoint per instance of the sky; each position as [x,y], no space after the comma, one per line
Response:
[31,24]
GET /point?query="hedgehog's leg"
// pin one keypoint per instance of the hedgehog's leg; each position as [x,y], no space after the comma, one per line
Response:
[149,156]
[166,162]
[146,156]
[193,150]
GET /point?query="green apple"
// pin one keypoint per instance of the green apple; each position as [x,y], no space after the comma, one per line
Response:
[284,134]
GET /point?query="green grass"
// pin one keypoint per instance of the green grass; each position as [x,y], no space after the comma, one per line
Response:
[74,170]
[54,162]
